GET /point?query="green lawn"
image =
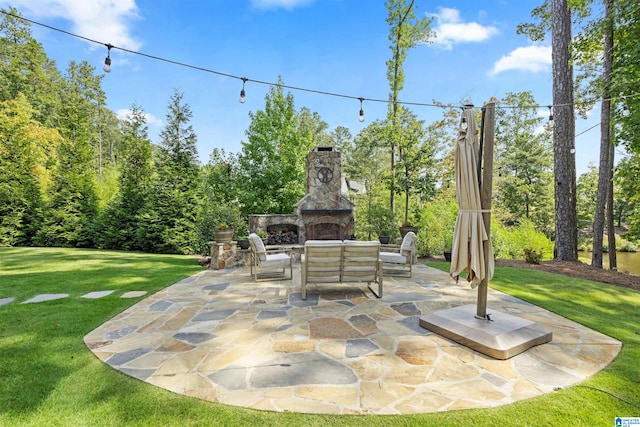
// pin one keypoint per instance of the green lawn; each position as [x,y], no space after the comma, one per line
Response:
[48,377]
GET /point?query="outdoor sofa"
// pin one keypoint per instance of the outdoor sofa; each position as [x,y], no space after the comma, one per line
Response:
[336,261]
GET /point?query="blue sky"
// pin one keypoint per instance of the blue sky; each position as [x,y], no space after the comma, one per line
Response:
[337,46]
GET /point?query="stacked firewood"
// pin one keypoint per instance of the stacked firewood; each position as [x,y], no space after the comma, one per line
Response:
[282,238]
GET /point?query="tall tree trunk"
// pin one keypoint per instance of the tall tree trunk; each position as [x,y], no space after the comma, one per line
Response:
[564,162]
[611,227]
[394,117]
[604,170]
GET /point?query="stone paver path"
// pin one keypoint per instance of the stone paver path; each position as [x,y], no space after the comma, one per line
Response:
[222,337]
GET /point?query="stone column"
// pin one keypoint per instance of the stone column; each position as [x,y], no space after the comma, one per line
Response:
[223,255]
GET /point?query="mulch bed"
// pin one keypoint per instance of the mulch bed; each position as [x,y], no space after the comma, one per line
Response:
[573,269]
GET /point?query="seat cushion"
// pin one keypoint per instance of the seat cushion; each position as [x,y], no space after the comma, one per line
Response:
[393,258]
[276,260]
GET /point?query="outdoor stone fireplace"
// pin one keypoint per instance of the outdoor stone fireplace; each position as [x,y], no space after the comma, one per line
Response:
[322,214]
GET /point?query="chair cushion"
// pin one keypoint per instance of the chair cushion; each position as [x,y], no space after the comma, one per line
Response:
[276,260]
[258,246]
[408,243]
[393,258]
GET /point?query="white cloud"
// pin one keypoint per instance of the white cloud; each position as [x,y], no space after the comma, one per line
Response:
[534,59]
[123,114]
[285,4]
[106,21]
[450,29]
[544,125]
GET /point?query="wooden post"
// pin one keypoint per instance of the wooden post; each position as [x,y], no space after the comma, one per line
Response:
[488,125]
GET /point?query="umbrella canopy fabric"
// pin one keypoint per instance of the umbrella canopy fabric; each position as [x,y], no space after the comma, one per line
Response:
[469,234]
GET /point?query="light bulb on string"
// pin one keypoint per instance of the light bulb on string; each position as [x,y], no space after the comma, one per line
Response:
[107,60]
[463,124]
[242,93]
[550,115]
[625,111]
[361,116]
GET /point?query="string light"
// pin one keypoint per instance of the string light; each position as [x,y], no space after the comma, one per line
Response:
[550,115]
[361,116]
[242,93]
[107,60]
[464,125]
[625,111]
[107,68]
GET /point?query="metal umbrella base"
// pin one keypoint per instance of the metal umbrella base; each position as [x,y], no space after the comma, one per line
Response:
[502,337]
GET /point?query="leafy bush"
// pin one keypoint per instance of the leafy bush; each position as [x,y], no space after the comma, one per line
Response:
[437,221]
[512,242]
[532,256]
[209,216]
[625,245]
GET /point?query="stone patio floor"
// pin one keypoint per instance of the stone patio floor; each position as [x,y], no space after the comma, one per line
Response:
[222,337]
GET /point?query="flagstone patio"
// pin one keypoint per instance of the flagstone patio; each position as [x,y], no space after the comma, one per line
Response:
[220,336]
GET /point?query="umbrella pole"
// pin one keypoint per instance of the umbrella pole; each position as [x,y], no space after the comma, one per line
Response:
[487,136]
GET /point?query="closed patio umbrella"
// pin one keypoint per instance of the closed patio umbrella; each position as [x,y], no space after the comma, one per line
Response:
[499,335]
[468,251]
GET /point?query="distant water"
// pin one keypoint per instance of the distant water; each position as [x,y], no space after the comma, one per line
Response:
[628,262]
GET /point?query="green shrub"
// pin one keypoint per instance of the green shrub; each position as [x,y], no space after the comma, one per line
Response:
[624,245]
[532,256]
[512,242]
[437,221]
[209,215]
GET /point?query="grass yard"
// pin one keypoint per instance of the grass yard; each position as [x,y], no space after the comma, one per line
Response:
[49,378]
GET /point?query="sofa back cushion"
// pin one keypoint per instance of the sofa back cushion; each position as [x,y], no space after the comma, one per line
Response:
[360,261]
[323,260]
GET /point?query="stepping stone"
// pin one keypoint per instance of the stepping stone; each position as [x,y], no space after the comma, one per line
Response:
[133,294]
[4,301]
[45,297]
[97,294]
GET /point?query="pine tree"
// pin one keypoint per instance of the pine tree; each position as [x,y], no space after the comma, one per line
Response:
[168,219]
[119,222]
[73,207]
[26,147]
[525,160]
